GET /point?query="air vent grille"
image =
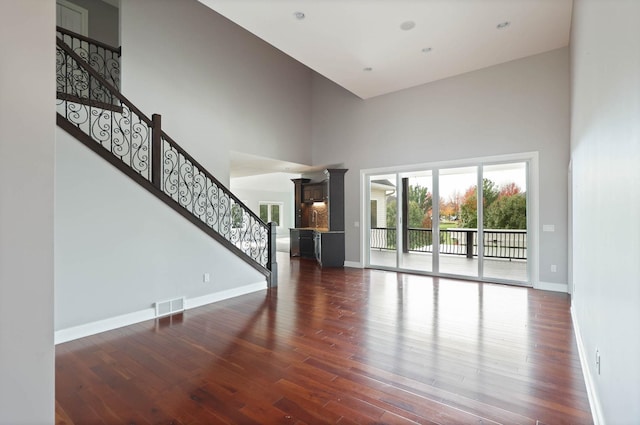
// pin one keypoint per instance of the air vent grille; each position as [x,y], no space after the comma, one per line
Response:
[165,308]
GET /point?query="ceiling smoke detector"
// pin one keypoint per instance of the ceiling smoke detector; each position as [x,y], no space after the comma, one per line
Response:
[503,25]
[427,50]
[299,15]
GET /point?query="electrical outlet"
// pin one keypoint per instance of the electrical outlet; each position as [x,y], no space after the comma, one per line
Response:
[554,268]
[598,361]
[206,277]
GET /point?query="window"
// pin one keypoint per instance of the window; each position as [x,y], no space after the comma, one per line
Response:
[271,212]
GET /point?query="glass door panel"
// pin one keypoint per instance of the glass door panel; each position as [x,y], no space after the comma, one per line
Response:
[417,221]
[505,222]
[458,226]
[383,221]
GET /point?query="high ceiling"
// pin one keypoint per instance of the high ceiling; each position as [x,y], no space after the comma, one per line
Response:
[374,47]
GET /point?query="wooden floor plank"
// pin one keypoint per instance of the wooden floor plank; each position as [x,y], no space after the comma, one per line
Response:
[339,346]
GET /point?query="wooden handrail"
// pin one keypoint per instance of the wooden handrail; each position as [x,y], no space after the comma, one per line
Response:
[117,50]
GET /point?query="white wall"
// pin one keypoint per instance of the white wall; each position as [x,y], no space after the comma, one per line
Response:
[520,106]
[27,94]
[273,187]
[218,87]
[605,149]
[119,249]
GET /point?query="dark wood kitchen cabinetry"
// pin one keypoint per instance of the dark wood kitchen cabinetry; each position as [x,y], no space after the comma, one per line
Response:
[314,192]
[319,228]
[301,243]
[329,248]
[298,204]
[335,197]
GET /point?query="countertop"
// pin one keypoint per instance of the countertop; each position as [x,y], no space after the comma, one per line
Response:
[317,229]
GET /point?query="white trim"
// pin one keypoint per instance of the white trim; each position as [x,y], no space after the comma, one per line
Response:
[549,286]
[84,15]
[592,393]
[224,295]
[104,325]
[111,323]
[465,162]
[353,264]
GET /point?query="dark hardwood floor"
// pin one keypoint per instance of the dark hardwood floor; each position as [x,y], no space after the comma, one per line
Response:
[341,346]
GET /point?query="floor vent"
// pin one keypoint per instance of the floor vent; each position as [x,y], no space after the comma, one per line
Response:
[166,308]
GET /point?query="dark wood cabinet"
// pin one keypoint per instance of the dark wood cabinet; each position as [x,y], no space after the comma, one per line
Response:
[301,243]
[310,238]
[314,192]
[335,197]
[297,200]
[329,248]
[306,244]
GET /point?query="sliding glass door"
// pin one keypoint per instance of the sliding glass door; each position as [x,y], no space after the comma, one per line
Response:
[437,221]
[505,222]
[416,222]
[383,208]
[458,221]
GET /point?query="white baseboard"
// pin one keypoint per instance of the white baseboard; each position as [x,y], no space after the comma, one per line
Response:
[555,287]
[104,325]
[224,295]
[353,264]
[592,393]
[81,331]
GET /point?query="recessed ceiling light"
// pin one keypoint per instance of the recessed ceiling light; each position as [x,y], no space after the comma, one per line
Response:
[367,69]
[503,25]
[427,50]
[299,16]
[407,25]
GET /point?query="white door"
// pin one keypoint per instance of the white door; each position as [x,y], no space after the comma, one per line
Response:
[72,17]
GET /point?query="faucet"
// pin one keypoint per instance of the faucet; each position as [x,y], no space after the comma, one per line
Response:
[314,218]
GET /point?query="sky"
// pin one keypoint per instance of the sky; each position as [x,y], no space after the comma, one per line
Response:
[460,179]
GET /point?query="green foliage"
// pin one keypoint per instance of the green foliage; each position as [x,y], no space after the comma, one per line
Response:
[469,209]
[420,203]
[507,212]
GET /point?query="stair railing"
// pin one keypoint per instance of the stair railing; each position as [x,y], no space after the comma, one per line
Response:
[103,58]
[94,111]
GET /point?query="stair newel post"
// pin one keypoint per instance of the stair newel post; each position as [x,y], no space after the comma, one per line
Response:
[156,150]
[271,260]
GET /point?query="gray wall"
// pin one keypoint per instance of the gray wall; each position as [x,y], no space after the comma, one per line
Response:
[605,148]
[27,102]
[218,87]
[119,249]
[103,21]
[520,106]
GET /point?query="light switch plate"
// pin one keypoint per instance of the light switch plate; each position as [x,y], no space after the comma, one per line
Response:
[548,228]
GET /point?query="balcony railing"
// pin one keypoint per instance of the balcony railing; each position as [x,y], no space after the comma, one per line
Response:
[498,243]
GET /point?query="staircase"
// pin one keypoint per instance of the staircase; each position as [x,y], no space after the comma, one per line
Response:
[91,108]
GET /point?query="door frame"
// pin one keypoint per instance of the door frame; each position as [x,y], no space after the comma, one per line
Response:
[84,14]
